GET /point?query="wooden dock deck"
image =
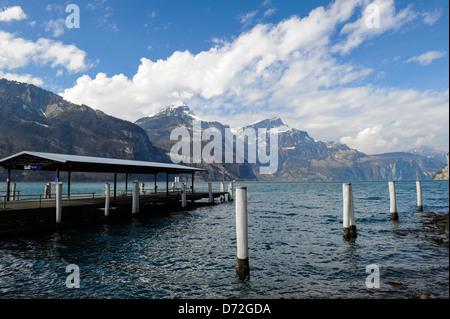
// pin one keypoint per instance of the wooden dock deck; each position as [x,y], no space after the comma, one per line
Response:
[74,200]
[38,213]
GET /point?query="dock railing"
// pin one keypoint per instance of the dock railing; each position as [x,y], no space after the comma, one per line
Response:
[42,201]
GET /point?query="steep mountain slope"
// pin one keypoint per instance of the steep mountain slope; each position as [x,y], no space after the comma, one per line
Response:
[37,120]
[443,174]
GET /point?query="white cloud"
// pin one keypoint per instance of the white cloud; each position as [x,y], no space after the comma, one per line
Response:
[285,70]
[427,57]
[362,29]
[431,17]
[247,18]
[12,13]
[56,27]
[16,52]
[372,140]
[269,12]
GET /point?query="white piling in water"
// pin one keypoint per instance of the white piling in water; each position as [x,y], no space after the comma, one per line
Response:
[349,212]
[419,196]
[107,198]
[393,201]
[242,269]
[14,191]
[183,195]
[47,190]
[230,192]
[135,199]
[211,198]
[58,202]
[222,189]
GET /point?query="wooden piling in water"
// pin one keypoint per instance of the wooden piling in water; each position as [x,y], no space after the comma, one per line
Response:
[349,223]
[393,201]
[419,196]
[242,268]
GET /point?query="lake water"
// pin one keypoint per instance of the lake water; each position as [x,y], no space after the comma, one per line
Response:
[296,249]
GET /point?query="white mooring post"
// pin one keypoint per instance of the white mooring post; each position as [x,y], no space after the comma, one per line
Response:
[14,191]
[419,196]
[58,202]
[107,198]
[222,189]
[230,192]
[47,190]
[393,201]
[242,269]
[211,198]
[349,212]
[135,200]
[183,195]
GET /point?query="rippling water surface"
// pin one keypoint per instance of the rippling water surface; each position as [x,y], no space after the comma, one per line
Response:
[296,249]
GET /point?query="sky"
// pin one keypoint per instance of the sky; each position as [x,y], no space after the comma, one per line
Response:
[369,74]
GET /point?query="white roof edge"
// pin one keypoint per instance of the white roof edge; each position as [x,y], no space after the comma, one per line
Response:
[50,156]
[63,158]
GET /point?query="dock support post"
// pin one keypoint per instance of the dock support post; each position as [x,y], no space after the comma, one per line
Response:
[242,269]
[58,202]
[183,195]
[69,176]
[135,199]
[419,196]
[167,184]
[115,185]
[107,199]
[393,201]
[349,212]
[192,186]
[8,185]
[211,198]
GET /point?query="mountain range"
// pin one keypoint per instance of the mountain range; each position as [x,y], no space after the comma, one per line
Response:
[37,120]
[300,157]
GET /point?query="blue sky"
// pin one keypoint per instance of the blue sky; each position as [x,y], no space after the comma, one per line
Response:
[316,64]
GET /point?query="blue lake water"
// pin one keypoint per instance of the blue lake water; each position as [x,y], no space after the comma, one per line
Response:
[296,249]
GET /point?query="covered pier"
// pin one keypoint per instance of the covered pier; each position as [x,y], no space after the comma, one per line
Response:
[41,210]
[74,163]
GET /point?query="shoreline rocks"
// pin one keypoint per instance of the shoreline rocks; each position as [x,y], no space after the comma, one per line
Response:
[436,226]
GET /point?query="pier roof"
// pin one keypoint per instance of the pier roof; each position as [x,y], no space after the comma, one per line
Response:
[27,160]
